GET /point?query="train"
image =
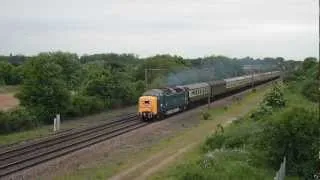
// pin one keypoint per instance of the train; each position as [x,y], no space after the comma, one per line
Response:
[161,102]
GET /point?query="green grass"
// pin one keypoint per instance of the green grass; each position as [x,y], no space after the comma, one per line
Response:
[86,173]
[25,135]
[219,164]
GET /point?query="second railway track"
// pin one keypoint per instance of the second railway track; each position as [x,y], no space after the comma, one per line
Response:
[21,157]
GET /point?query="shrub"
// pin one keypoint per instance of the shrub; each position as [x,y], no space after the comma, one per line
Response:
[275,98]
[311,90]
[295,134]
[84,105]
[261,111]
[254,90]
[205,115]
[220,164]
[214,141]
[17,120]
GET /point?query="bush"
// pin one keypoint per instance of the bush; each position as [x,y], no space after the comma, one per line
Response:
[275,98]
[205,115]
[17,120]
[220,164]
[263,110]
[254,90]
[295,134]
[215,141]
[311,90]
[84,105]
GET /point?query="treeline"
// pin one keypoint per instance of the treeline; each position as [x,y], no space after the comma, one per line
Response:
[286,124]
[62,82]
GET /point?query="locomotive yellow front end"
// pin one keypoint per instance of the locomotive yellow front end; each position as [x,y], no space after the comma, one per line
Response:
[148,107]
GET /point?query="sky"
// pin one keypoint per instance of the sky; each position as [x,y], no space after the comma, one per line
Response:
[188,28]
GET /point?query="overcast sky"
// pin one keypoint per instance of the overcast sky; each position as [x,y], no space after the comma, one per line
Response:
[189,28]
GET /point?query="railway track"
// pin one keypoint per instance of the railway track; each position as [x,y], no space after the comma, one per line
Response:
[18,158]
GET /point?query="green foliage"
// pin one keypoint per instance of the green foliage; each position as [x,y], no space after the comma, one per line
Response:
[262,110]
[221,164]
[275,98]
[115,60]
[43,91]
[311,90]
[272,100]
[17,120]
[71,70]
[166,63]
[205,115]
[308,63]
[214,141]
[84,105]
[9,74]
[293,133]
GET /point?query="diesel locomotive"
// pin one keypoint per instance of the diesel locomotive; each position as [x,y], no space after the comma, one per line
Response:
[158,103]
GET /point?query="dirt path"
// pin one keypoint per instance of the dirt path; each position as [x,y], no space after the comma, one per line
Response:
[8,101]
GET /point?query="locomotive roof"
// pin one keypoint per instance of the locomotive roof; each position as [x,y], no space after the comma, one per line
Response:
[196,85]
[157,92]
[153,92]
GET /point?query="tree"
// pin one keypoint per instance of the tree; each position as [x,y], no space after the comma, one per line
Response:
[294,134]
[44,91]
[309,62]
[70,65]
[5,72]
